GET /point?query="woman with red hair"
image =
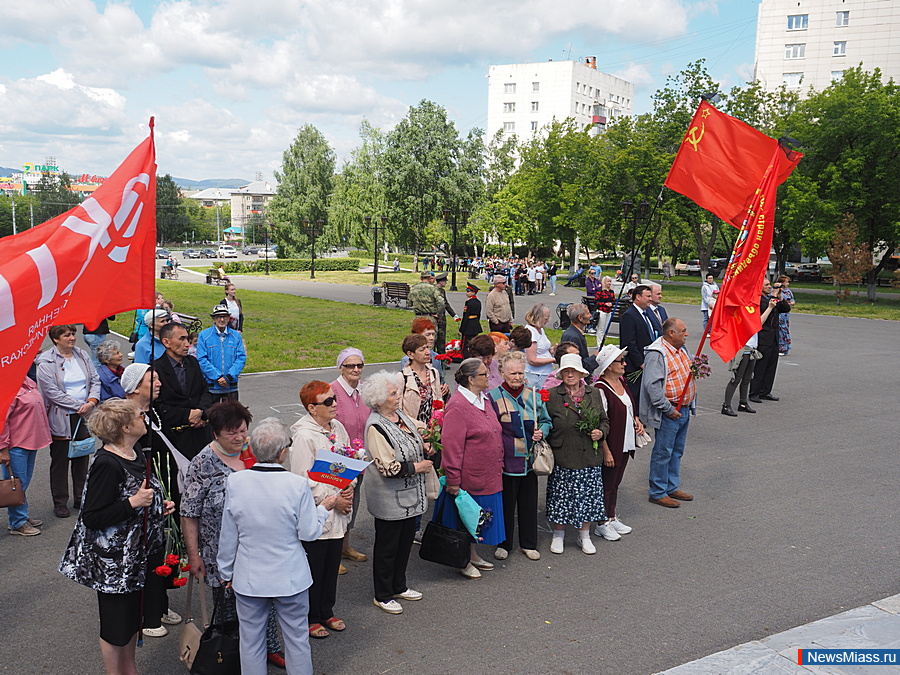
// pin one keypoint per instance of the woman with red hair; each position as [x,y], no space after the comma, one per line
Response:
[319,430]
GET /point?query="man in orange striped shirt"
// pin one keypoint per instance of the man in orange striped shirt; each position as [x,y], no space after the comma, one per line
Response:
[667,366]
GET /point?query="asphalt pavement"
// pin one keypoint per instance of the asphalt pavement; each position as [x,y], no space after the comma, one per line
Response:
[794,521]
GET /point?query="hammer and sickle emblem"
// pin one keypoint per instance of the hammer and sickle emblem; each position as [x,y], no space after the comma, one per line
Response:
[693,138]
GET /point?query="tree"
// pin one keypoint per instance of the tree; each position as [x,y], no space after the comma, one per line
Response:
[850,133]
[305,185]
[849,260]
[53,196]
[172,221]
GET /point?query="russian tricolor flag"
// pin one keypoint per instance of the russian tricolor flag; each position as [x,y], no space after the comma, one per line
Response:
[335,469]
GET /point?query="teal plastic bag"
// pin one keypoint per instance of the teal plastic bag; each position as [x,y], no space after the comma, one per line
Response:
[470,513]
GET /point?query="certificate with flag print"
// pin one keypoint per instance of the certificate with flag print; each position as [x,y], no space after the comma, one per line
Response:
[334,469]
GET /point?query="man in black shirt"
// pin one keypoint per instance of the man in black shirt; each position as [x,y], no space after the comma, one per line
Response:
[767,344]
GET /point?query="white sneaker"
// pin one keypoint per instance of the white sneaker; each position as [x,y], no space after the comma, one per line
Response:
[557,545]
[409,594]
[391,606]
[501,554]
[171,618]
[552,294]
[531,554]
[607,531]
[587,546]
[619,526]
[162,631]
[470,572]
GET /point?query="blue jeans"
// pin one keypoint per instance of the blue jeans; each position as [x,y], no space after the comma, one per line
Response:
[705,314]
[553,284]
[21,462]
[665,461]
[94,341]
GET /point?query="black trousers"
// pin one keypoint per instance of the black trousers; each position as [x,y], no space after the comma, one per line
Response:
[390,556]
[764,372]
[324,556]
[520,495]
[59,474]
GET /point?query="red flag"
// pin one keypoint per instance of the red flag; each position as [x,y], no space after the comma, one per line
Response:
[721,163]
[92,261]
[736,317]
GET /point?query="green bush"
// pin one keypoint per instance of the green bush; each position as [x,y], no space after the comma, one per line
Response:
[293,265]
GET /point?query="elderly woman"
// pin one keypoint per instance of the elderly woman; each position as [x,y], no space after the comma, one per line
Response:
[26,431]
[319,430]
[606,299]
[71,389]
[561,350]
[540,359]
[422,325]
[575,488]
[395,492]
[261,556]
[524,420]
[484,348]
[619,444]
[108,550]
[353,414]
[473,458]
[109,354]
[203,502]
[421,382]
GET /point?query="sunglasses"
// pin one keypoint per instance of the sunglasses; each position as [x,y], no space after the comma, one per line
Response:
[327,402]
[358,366]
[619,361]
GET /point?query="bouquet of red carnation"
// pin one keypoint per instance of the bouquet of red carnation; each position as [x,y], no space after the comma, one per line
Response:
[176,562]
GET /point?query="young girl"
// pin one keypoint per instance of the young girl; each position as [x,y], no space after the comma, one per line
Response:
[192,350]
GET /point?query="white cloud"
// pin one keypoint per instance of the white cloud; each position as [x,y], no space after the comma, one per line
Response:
[637,74]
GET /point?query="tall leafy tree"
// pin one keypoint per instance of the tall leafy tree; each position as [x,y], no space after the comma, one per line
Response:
[172,221]
[53,196]
[305,184]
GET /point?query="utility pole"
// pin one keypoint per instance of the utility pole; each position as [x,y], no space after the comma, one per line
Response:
[12,199]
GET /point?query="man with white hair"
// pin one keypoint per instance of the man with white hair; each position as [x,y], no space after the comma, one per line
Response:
[497,308]
[149,348]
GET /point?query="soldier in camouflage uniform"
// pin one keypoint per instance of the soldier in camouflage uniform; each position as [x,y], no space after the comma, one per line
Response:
[427,300]
[440,342]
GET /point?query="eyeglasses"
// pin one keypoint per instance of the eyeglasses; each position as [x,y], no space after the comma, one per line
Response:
[356,366]
[481,374]
[619,361]
[327,402]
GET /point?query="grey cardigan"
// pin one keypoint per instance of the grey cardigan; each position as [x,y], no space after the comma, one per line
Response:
[654,403]
[50,378]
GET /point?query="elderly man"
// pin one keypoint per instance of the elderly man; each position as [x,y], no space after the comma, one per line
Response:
[579,317]
[221,355]
[637,329]
[425,298]
[441,323]
[149,347]
[497,308]
[667,366]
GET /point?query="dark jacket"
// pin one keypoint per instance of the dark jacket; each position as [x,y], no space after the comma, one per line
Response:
[634,336]
[572,334]
[471,318]
[768,335]
[573,449]
[174,405]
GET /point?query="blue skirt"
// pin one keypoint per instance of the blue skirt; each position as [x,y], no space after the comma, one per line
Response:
[492,533]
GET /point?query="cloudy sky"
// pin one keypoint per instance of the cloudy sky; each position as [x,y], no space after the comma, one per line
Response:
[230,82]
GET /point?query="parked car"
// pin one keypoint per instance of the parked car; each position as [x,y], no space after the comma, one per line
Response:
[162,253]
[809,272]
[717,266]
[250,250]
[208,253]
[226,251]
[692,267]
[191,253]
[790,269]
[269,253]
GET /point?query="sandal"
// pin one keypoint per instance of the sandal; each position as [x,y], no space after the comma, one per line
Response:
[335,623]
[317,630]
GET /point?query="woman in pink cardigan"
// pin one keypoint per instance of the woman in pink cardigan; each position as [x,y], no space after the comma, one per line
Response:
[473,458]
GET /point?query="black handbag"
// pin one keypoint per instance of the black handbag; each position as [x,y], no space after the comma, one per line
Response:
[445,545]
[220,649]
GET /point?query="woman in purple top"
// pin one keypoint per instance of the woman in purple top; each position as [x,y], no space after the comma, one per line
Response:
[353,414]
[473,458]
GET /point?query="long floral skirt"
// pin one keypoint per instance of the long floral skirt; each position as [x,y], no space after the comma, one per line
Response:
[784,333]
[575,496]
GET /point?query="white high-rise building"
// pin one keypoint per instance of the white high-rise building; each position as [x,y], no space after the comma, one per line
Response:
[524,97]
[805,43]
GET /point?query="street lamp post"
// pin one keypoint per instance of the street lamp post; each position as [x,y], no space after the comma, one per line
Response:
[453,223]
[374,229]
[313,230]
[637,215]
[267,249]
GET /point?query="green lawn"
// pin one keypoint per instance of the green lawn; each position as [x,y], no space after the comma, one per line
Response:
[343,277]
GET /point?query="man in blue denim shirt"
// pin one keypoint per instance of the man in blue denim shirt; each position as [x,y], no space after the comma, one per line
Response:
[222,357]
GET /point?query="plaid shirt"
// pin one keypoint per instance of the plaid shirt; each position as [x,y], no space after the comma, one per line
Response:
[679,368]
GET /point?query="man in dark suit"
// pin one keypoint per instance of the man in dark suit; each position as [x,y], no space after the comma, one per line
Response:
[767,343]
[183,397]
[658,313]
[636,331]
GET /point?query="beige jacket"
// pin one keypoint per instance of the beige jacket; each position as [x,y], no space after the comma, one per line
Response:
[497,307]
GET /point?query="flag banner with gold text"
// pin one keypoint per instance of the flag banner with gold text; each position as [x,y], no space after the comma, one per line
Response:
[92,261]
[736,316]
[721,163]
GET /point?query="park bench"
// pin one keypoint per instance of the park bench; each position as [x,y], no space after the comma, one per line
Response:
[191,323]
[395,291]
[213,278]
[166,272]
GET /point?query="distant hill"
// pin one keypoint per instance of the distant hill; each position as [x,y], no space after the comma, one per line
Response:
[189,184]
[6,171]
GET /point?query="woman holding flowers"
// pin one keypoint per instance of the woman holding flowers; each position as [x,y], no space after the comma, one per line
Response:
[395,490]
[575,488]
[523,416]
[319,430]
[203,503]
[421,382]
[107,551]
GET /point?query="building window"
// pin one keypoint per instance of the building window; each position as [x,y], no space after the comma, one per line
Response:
[534,106]
[837,75]
[798,21]
[534,126]
[509,107]
[578,87]
[509,127]
[509,88]
[792,80]
[842,19]
[535,86]
[795,51]
[840,49]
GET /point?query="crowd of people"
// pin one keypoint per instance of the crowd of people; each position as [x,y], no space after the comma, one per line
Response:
[275,561]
